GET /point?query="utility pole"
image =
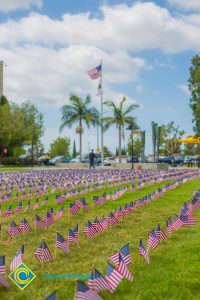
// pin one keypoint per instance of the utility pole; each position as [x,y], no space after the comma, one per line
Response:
[1,78]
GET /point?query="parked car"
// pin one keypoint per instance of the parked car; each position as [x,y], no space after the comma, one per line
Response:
[44,159]
[97,161]
[60,159]
[133,159]
[109,160]
[172,160]
[75,160]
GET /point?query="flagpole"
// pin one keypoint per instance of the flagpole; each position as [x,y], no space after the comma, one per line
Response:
[102,154]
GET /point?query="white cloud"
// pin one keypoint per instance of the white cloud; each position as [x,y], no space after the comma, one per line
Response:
[11,5]
[139,88]
[186,4]
[141,26]
[47,76]
[184,88]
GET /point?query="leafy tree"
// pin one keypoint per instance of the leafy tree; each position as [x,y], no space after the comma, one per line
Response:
[79,111]
[19,123]
[74,153]
[3,100]
[60,146]
[107,152]
[120,118]
[194,87]
[170,134]
[137,145]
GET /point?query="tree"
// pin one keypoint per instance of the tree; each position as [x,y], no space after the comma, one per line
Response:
[120,118]
[137,145]
[74,153]
[170,134]
[79,111]
[18,124]
[60,146]
[107,152]
[194,87]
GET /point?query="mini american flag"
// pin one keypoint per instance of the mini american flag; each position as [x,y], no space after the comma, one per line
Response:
[103,223]
[18,208]
[18,259]
[143,252]
[42,253]
[13,230]
[28,206]
[38,222]
[94,224]
[160,233]
[111,219]
[97,282]
[73,208]
[152,240]
[48,219]
[84,204]
[187,220]
[122,268]
[2,265]
[36,204]
[177,222]
[83,292]
[113,277]
[24,226]
[59,213]
[4,282]
[89,230]
[75,231]
[45,201]
[8,212]
[61,243]
[115,196]
[51,297]
[125,252]
[169,226]
[71,237]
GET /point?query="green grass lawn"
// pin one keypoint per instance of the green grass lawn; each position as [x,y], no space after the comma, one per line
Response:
[175,265]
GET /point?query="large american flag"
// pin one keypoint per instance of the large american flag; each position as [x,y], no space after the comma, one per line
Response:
[42,253]
[61,243]
[97,282]
[18,259]
[83,292]
[2,265]
[95,72]
[113,276]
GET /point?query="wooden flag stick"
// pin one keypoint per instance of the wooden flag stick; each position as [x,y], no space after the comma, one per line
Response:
[55,245]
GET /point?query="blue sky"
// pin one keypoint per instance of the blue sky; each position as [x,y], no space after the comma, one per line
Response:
[146,47]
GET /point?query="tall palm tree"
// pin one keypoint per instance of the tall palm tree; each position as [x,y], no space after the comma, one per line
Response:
[78,111]
[120,118]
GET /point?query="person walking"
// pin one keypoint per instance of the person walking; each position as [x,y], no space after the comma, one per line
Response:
[92,156]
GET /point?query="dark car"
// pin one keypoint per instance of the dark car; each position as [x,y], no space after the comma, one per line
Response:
[172,160]
[97,161]
[133,159]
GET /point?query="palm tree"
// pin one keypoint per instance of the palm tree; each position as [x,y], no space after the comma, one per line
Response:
[120,118]
[78,111]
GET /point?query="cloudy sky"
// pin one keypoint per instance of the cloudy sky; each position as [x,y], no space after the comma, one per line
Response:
[146,48]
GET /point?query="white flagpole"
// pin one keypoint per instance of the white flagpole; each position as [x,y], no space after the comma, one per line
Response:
[102,154]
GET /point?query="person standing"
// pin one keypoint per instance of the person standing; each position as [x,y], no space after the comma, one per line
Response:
[92,156]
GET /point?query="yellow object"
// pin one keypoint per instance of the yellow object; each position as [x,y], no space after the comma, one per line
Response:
[98,150]
[136,132]
[190,140]
[22,276]
[28,142]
